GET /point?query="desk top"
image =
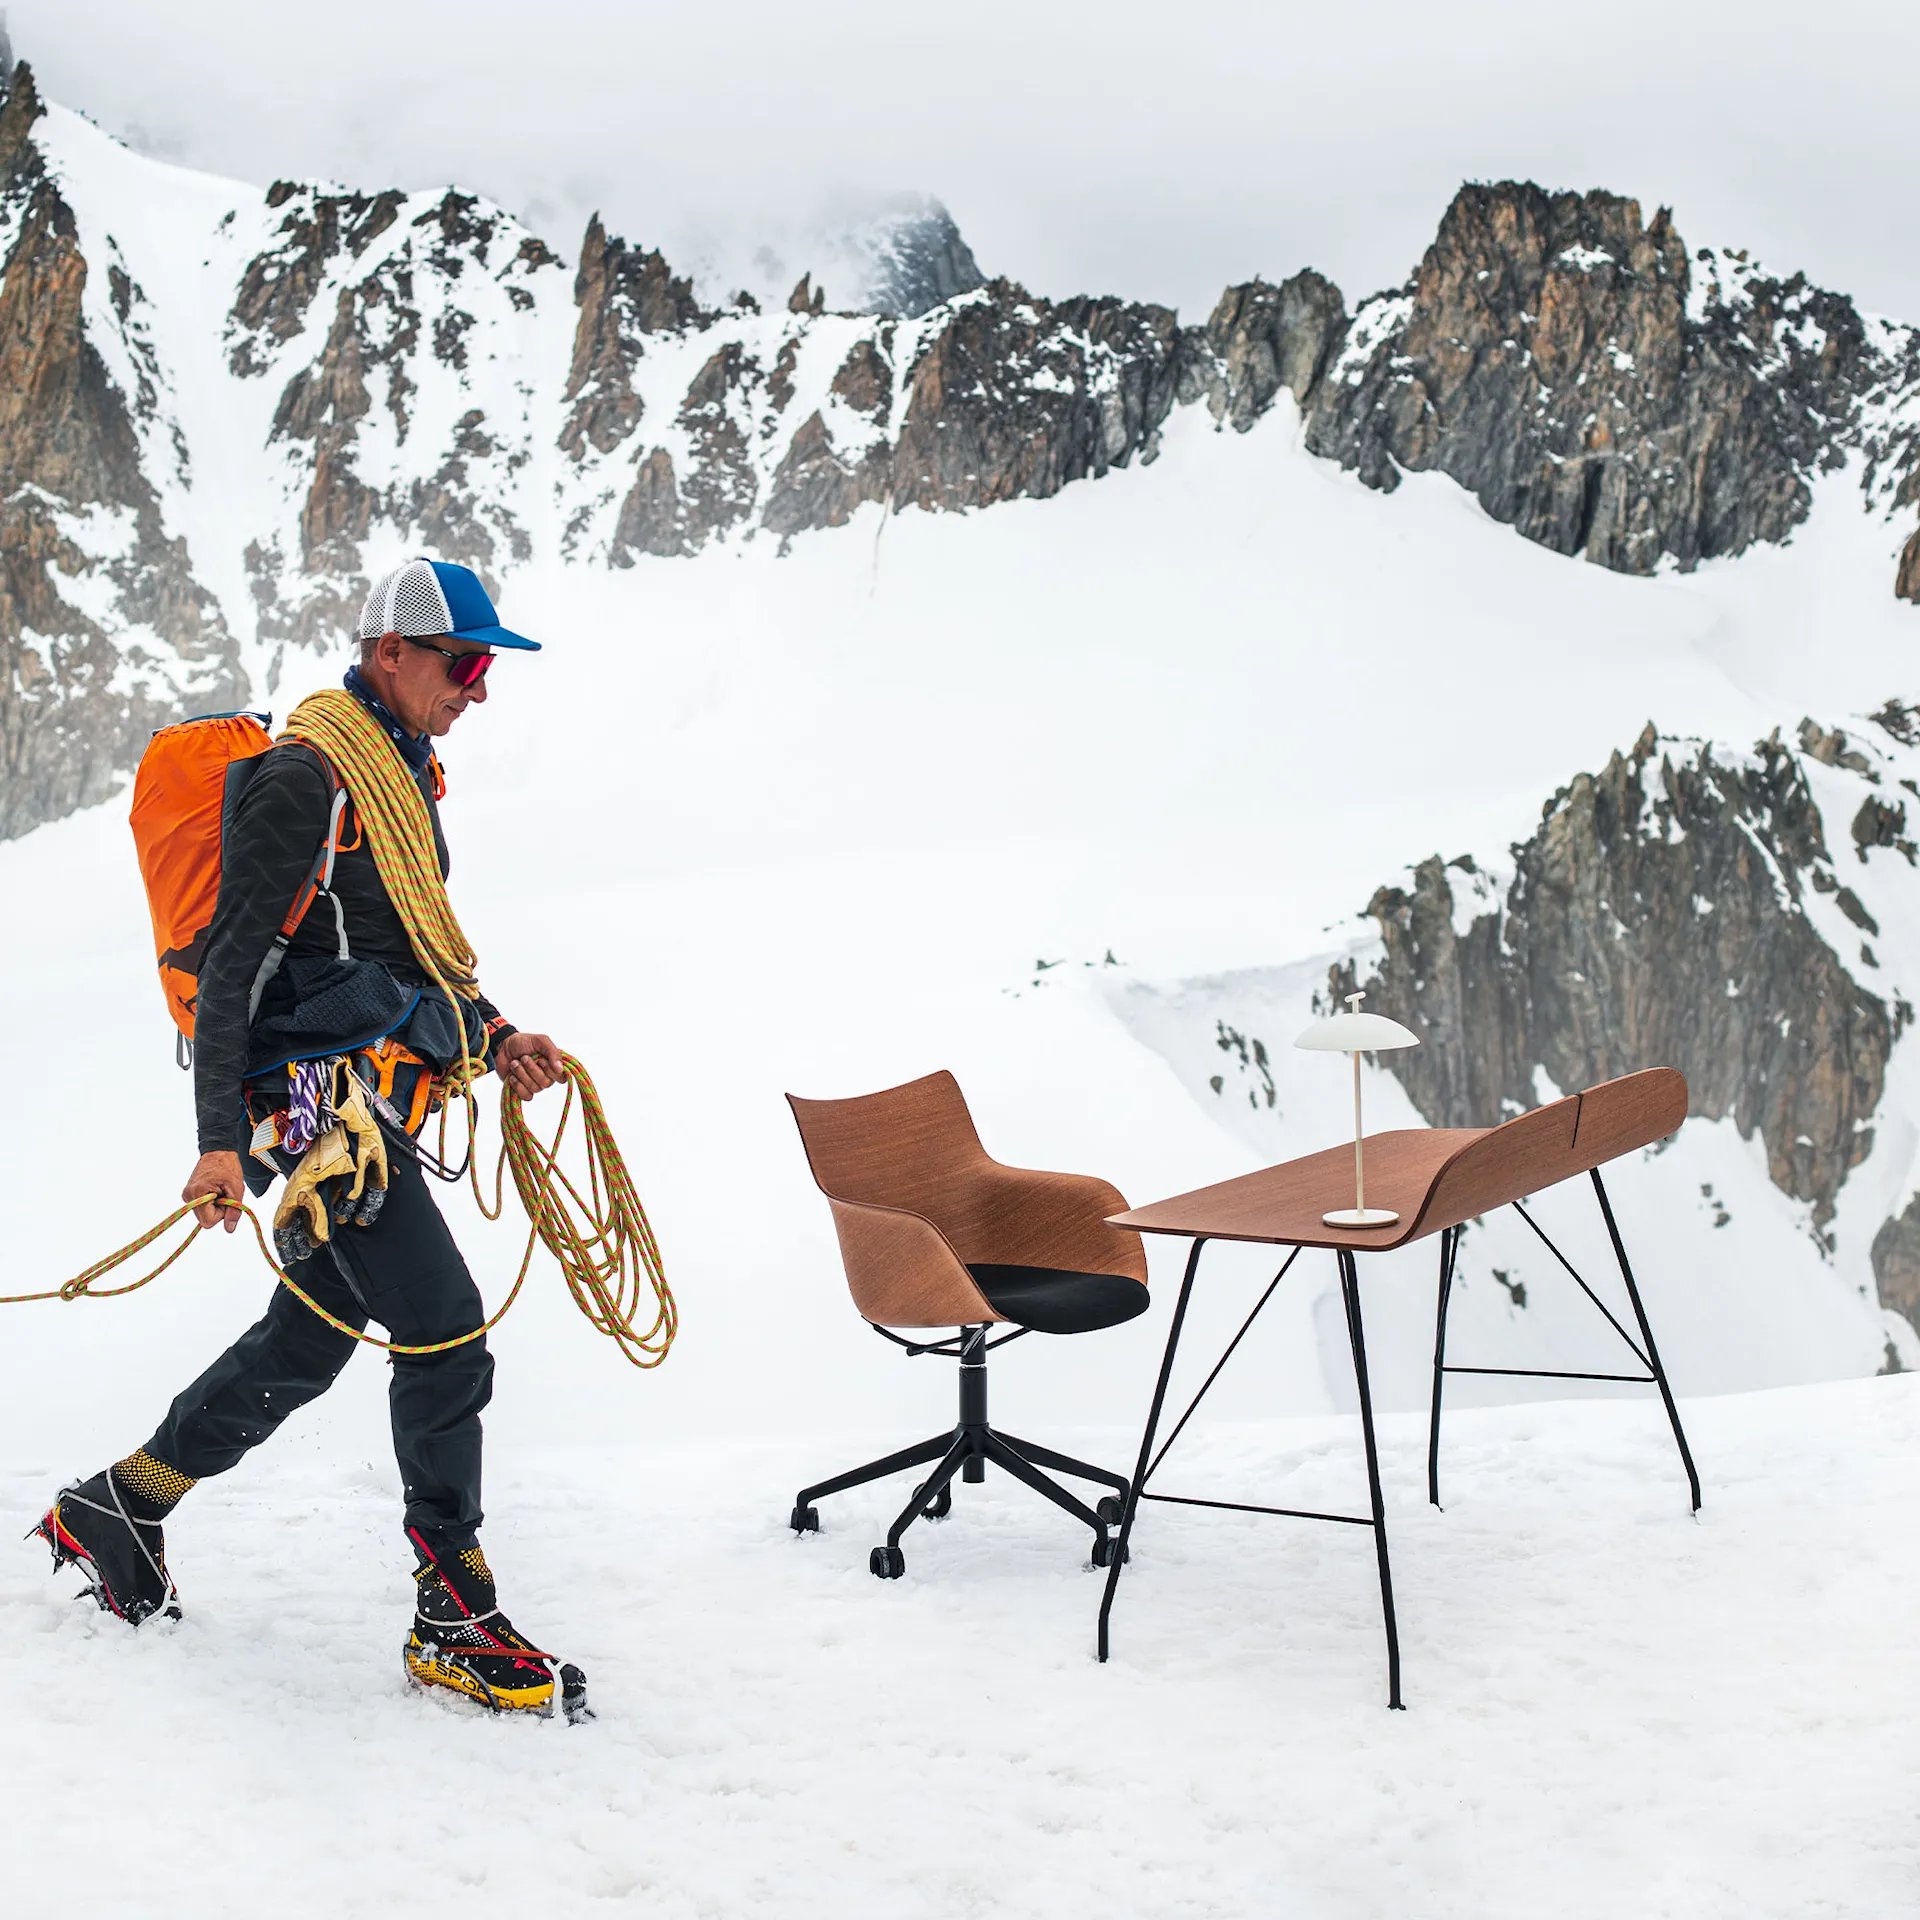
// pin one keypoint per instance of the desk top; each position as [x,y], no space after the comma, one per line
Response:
[1283,1204]
[1433,1177]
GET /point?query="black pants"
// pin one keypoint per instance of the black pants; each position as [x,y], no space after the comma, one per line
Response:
[405,1272]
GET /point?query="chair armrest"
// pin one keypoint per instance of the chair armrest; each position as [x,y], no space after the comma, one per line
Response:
[902,1271]
[1019,1216]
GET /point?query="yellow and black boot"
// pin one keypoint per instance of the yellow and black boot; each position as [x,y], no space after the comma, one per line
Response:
[109,1527]
[463,1642]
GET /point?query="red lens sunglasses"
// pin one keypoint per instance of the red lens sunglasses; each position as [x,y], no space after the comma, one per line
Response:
[463,669]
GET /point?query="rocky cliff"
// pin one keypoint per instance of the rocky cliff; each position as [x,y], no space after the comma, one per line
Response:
[1685,906]
[1663,912]
[104,633]
[1597,386]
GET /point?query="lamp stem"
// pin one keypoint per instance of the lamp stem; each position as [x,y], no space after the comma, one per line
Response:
[1359,1166]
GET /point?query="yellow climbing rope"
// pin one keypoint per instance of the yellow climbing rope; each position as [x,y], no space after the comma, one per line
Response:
[601,1239]
[393,816]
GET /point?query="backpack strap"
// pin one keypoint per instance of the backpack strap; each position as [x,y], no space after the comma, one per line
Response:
[319,880]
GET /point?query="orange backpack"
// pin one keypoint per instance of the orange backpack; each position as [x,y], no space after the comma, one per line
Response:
[190,780]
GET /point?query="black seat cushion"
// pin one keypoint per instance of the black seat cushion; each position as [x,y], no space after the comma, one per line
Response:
[1050,1300]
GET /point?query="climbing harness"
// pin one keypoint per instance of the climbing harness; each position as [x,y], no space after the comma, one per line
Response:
[601,1239]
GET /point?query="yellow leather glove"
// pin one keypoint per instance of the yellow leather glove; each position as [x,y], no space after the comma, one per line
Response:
[360,1203]
[300,1222]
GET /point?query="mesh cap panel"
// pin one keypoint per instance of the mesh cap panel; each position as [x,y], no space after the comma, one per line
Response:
[408,600]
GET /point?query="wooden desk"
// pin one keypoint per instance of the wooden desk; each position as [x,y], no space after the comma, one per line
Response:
[1436,1179]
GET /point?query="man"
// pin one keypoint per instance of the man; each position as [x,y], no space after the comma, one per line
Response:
[428,636]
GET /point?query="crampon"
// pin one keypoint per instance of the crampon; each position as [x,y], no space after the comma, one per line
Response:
[92,1525]
[462,1643]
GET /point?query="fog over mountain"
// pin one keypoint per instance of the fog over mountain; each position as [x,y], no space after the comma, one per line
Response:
[1080,146]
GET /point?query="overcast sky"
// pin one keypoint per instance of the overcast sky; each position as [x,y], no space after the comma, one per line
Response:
[1158,152]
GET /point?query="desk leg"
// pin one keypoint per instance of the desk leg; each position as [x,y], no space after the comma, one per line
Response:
[1146,1443]
[1449,1243]
[1646,1334]
[1356,1334]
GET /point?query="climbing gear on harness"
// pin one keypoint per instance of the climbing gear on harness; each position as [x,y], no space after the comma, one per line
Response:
[601,1238]
[189,781]
[111,1532]
[351,1154]
[460,1640]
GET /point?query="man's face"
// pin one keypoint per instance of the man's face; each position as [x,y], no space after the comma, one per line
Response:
[423,698]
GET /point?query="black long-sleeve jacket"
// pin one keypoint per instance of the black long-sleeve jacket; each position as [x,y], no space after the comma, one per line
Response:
[268,851]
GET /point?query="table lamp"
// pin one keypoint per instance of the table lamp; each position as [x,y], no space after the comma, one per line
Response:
[1356,1033]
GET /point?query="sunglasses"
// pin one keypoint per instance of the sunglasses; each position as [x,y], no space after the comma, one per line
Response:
[463,669]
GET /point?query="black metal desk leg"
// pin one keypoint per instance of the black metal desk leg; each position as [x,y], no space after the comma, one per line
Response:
[1350,1292]
[1654,1366]
[1146,1443]
[1449,1241]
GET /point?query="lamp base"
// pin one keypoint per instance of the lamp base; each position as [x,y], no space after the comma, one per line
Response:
[1360,1217]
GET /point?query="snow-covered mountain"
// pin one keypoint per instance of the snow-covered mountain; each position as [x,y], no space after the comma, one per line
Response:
[222,410]
[226,409]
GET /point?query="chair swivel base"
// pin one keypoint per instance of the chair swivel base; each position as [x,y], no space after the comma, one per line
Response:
[964,1451]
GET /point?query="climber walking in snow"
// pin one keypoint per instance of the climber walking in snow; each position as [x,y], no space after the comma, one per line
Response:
[333,1006]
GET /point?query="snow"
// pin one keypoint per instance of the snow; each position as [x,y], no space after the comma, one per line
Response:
[1613,1707]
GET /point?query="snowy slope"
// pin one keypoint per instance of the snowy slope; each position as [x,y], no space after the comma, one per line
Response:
[1612,1708]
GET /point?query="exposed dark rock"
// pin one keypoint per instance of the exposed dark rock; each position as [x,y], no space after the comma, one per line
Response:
[1546,357]
[815,486]
[718,490]
[806,297]
[279,285]
[650,517]
[917,261]
[1017,397]
[1879,824]
[1830,748]
[1906,579]
[780,380]
[865,383]
[1655,919]
[623,295]
[1896,1265]
[1899,723]
[77,702]
[1262,338]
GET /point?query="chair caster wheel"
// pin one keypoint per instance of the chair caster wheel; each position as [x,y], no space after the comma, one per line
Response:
[1112,1510]
[886,1563]
[804,1519]
[942,1503]
[1103,1551]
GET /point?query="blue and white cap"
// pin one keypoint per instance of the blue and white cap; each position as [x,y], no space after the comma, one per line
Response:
[425,598]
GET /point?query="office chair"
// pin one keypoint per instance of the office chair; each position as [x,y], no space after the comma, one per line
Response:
[935,1234]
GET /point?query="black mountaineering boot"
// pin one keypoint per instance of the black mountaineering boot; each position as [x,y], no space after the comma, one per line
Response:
[109,1527]
[462,1641]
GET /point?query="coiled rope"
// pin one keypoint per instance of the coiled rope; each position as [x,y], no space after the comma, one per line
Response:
[393,815]
[601,1239]
[399,833]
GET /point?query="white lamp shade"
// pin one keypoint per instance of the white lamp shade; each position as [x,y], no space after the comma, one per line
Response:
[1356,1033]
